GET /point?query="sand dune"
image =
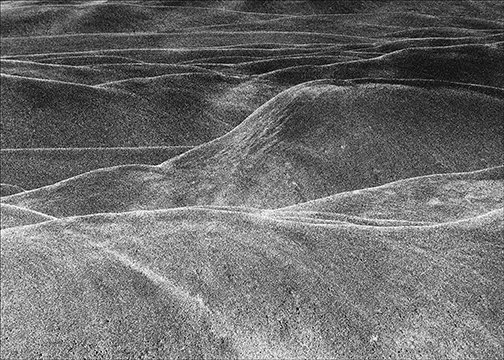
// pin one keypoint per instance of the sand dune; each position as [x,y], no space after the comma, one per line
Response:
[61,43]
[98,17]
[101,73]
[432,199]
[212,103]
[209,283]
[13,216]
[183,109]
[171,56]
[443,32]
[228,48]
[311,141]
[95,17]
[252,179]
[437,42]
[472,64]
[371,26]
[34,168]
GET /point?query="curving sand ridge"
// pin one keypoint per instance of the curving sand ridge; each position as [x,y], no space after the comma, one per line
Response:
[431,199]
[204,282]
[472,64]
[311,141]
[34,168]
[99,74]
[13,216]
[9,189]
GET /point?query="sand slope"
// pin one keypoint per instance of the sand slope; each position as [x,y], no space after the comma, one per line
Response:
[431,199]
[12,216]
[176,110]
[213,283]
[34,168]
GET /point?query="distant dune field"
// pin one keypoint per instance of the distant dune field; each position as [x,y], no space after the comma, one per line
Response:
[117,74]
[252,179]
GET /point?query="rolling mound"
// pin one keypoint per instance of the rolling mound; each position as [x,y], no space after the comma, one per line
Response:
[34,168]
[36,18]
[13,216]
[472,64]
[430,199]
[309,142]
[224,284]
[183,109]
[100,73]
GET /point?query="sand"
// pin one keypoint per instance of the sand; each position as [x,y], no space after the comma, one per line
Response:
[252,179]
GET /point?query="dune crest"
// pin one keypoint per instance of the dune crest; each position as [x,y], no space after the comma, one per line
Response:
[13,216]
[432,199]
[9,189]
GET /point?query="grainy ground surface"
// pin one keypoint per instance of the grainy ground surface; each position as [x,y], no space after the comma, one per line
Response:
[252,179]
